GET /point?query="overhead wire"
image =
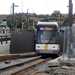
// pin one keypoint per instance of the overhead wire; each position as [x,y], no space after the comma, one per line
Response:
[10,1]
[47,6]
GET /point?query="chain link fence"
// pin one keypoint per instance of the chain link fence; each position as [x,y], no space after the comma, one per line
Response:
[69,45]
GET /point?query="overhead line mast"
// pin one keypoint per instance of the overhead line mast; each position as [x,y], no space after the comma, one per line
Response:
[70,13]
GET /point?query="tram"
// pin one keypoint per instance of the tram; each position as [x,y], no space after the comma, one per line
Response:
[48,38]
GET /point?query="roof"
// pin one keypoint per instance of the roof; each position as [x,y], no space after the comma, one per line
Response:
[48,23]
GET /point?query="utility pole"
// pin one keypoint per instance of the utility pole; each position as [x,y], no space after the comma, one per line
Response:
[13,17]
[70,13]
[27,20]
[33,20]
[70,30]
[13,5]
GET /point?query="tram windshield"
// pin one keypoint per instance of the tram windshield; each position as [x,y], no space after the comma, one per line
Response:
[47,34]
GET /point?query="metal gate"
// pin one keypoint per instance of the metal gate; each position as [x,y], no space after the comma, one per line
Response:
[22,42]
[69,45]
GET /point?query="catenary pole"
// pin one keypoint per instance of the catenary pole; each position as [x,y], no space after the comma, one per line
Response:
[70,13]
[13,17]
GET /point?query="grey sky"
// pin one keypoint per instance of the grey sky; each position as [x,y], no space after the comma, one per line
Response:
[38,6]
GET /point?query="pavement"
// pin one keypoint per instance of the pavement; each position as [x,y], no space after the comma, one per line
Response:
[63,59]
[56,67]
[20,54]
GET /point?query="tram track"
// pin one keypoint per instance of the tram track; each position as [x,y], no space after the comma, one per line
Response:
[16,56]
[20,68]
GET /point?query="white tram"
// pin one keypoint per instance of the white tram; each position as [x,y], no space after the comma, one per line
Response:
[47,38]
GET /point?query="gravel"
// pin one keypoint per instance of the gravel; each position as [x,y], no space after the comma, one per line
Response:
[64,70]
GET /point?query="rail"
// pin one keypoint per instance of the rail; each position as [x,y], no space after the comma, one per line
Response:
[7,70]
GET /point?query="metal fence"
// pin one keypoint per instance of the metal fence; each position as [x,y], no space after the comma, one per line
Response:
[69,45]
[4,38]
[22,42]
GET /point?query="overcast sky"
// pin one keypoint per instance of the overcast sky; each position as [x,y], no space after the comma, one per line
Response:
[38,6]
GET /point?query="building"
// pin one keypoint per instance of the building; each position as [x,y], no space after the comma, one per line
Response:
[23,17]
[58,17]
[3,23]
[55,16]
[3,19]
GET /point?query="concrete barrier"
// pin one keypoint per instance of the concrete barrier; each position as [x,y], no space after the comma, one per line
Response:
[5,48]
[60,61]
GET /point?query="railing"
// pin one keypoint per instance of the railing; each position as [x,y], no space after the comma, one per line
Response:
[4,37]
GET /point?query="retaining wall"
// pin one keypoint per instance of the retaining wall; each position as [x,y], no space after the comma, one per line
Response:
[5,48]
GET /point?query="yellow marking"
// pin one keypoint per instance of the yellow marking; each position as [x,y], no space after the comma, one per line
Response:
[46,47]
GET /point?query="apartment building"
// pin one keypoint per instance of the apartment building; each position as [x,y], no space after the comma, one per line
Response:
[3,19]
[3,24]
[58,17]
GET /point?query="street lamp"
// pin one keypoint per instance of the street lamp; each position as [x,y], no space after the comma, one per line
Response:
[13,14]
[27,17]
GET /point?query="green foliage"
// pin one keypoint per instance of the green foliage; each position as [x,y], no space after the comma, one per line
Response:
[44,20]
[17,22]
[9,22]
[31,21]
[65,22]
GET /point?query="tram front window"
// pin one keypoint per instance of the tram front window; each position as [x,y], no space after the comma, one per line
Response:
[47,36]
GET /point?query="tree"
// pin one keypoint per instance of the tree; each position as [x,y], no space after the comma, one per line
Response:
[17,22]
[44,20]
[9,22]
[65,21]
[30,22]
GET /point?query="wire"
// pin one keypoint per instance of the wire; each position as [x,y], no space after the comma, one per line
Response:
[47,6]
[10,1]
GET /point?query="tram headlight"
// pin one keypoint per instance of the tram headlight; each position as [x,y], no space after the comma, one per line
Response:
[38,46]
[46,41]
[53,46]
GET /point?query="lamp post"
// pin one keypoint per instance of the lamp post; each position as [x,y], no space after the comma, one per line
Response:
[27,18]
[13,16]
[13,5]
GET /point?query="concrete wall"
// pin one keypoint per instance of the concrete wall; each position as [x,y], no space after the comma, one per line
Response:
[5,48]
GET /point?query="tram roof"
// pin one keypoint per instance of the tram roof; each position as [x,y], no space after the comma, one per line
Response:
[48,23]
